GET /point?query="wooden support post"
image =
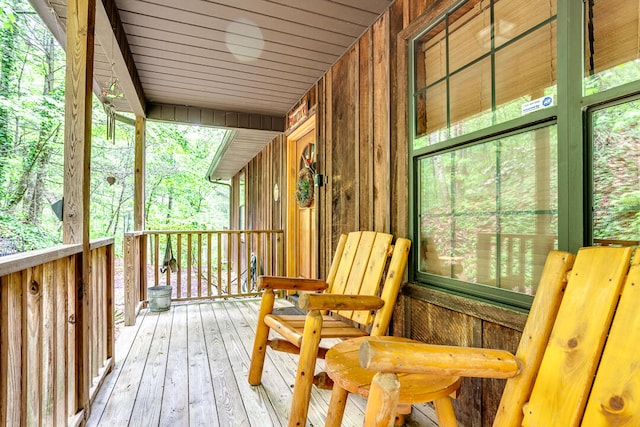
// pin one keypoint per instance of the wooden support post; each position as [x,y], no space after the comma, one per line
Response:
[77,158]
[139,212]
[138,179]
[110,344]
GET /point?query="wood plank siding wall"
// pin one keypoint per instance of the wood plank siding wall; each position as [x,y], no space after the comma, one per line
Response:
[360,108]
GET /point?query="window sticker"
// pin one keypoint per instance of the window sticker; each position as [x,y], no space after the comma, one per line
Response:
[537,104]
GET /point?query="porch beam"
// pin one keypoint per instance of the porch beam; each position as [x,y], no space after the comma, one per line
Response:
[77,176]
[110,33]
[219,118]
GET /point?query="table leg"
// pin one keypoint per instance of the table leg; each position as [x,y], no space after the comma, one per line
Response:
[383,400]
[445,413]
[336,406]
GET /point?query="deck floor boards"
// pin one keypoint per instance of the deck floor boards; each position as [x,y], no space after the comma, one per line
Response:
[188,367]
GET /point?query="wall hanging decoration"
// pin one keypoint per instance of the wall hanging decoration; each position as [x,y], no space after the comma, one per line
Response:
[304,188]
[304,185]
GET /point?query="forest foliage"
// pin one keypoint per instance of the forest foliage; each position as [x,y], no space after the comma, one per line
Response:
[32,76]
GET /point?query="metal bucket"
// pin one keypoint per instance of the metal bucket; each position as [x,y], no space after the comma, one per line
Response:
[159,298]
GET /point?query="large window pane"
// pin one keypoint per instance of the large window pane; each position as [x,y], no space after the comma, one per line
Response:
[521,188]
[431,115]
[616,173]
[513,18]
[480,65]
[431,57]
[469,33]
[488,212]
[525,71]
[470,98]
[612,44]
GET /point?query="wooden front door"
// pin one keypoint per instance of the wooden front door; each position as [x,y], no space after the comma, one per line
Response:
[303,240]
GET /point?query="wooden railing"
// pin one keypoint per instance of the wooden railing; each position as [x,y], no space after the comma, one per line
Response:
[198,264]
[615,242]
[521,259]
[55,345]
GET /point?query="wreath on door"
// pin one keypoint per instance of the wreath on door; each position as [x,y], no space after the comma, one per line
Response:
[304,188]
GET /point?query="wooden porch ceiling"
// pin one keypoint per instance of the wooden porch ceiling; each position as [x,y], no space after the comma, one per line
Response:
[196,59]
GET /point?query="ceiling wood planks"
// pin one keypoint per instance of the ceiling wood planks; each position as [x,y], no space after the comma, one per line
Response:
[253,57]
[240,58]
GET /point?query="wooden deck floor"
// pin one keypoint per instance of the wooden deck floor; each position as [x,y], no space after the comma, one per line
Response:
[188,367]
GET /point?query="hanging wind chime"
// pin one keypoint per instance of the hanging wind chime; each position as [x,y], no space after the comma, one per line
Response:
[111,90]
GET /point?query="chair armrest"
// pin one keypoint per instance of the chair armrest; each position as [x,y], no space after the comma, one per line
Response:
[430,359]
[339,302]
[291,283]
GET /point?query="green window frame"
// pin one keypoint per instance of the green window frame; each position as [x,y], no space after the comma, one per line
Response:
[574,100]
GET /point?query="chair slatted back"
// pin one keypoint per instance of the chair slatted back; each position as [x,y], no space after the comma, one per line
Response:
[373,274]
[361,268]
[615,396]
[578,357]
[535,337]
[335,262]
[345,263]
[572,355]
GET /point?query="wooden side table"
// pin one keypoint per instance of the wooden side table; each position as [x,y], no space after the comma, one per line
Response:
[343,367]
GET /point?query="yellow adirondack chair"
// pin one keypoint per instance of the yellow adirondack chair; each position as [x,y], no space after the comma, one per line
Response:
[351,298]
[562,374]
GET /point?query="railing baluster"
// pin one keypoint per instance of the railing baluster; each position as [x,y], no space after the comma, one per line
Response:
[61,343]
[109,287]
[72,314]
[94,316]
[219,272]
[180,266]
[11,342]
[166,260]
[269,265]
[245,259]
[258,260]
[48,286]
[189,265]
[141,266]
[208,264]
[33,344]
[156,260]
[229,258]
[199,264]
[239,269]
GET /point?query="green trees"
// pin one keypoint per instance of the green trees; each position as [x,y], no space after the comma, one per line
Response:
[178,196]
[616,172]
[32,67]
[31,120]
